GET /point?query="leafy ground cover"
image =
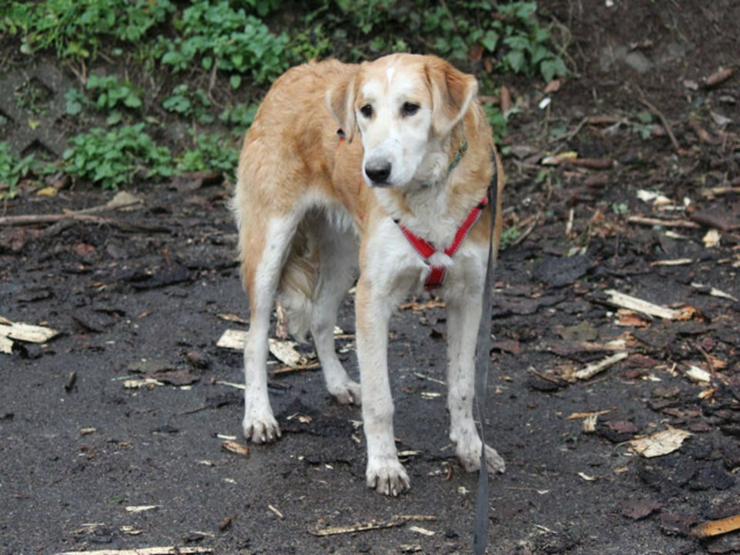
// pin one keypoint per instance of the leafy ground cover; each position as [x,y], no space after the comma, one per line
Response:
[189,77]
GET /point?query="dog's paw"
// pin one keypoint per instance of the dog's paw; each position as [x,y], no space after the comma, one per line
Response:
[260,428]
[387,477]
[470,460]
[346,392]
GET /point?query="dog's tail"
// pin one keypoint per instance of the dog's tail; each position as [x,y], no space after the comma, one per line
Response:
[298,281]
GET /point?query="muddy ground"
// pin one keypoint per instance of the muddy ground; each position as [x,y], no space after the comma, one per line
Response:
[144,294]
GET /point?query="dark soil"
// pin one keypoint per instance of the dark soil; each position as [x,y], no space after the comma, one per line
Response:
[153,288]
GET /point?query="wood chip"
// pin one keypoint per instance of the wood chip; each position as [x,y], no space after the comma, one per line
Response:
[168,550]
[233,339]
[232,318]
[26,332]
[286,352]
[585,415]
[6,345]
[719,77]
[149,383]
[711,239]
[141,508]
[713,291]
[422,531]
[597,367]
[660,443]
[639,305]
[589,424]
[419,307]
[277,513]
[698,375]
[713,528]
[231,384]
[629,318]
[235,447]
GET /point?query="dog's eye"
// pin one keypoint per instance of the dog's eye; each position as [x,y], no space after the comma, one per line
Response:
[409,109]
[367,110]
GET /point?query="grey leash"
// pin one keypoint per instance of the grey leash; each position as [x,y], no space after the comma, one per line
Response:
[482,364]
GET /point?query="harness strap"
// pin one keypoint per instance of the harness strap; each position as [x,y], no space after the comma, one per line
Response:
[426,250]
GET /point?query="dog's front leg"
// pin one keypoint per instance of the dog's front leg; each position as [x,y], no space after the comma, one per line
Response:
[384,471]
[463,318]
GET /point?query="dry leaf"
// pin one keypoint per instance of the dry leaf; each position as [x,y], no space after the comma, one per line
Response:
[660,443]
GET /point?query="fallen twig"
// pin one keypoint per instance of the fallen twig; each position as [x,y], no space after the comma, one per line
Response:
[717,191]
[664,122]
[713,528]
[719,77]
[120,201]
[639,305]
[169,550]
[673,262]
[283,370]
[595,368]
[372,525]
[642,220]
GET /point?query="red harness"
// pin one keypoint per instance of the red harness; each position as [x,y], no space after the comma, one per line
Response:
[426,250]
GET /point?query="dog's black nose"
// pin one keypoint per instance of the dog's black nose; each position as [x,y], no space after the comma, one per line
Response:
[378,172]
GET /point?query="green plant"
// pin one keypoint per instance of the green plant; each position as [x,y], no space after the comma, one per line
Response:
[76,101]
[508,36]
[263,7]
[78,28]
[527,42]
[644,125]
[211,152]
[189,103]
[114,157]
[240,117]
[498,121]
[109,94]
[509,237]
[229,40]
[13,169]
[620,208]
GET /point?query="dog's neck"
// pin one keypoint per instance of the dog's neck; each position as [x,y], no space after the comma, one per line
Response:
[424,206]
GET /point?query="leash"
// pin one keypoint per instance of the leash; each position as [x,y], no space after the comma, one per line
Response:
[483,362]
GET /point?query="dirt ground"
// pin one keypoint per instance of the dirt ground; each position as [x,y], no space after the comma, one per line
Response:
[148,292]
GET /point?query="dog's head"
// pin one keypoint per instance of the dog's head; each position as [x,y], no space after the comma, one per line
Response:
[405,107]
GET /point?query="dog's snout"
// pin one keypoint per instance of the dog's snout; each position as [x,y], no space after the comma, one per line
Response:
[378,171]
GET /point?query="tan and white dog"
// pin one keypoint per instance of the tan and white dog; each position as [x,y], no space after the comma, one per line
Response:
[313,205]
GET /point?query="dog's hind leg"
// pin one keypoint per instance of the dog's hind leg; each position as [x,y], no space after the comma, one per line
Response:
[264,249]
[338,260]
[463,317]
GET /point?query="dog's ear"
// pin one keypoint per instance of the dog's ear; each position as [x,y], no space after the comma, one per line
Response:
[452,92]
[340,100]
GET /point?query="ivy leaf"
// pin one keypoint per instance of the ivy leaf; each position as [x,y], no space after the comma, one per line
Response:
[490,40]
[515,60]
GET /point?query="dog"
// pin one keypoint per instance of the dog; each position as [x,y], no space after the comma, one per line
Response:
[381,167]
